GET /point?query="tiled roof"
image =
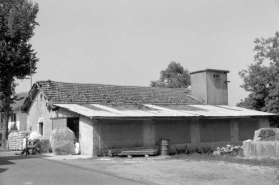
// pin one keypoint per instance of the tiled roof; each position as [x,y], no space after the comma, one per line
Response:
[78,93]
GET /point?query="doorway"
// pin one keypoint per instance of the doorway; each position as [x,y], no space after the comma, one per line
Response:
[73,124]
[41,128]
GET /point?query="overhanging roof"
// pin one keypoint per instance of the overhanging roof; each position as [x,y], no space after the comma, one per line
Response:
[211,70]
[148,110]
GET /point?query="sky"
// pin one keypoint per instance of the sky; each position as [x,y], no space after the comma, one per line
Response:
[128,42]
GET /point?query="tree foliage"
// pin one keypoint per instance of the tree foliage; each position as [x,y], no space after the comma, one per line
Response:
[174,76]
[263,80]
[17,59]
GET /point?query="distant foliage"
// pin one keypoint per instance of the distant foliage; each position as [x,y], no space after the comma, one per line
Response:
[263,80]
[174,76]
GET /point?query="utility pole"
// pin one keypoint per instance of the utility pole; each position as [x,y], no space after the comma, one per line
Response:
[30,75]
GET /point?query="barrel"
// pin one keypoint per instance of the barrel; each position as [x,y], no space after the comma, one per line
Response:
[164,146]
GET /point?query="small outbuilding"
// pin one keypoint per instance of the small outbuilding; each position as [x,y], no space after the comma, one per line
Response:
[110,117]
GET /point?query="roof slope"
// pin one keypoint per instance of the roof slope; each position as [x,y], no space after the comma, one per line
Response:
[20,98]
[78,93]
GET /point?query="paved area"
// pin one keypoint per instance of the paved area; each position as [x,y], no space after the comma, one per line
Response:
[46,169]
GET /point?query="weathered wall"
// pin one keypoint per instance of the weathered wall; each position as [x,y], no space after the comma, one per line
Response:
[86,135]
[121,133]
[38,112]
[213,91]
[217,88]
[215,130]
[22,118]
[117,134]
[198,86]
[177,131]
[247,128]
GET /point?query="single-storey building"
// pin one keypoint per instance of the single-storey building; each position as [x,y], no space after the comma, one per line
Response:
[110,117]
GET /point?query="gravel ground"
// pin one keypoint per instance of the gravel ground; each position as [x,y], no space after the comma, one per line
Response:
[187,169]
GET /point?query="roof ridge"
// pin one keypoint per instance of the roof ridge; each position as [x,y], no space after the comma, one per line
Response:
[67,92]
[79,83]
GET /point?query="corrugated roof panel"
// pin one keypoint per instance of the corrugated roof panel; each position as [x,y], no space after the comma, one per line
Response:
[171,111]
[86,111]
[97,110]
[233,111]
[137,113]
[182,107]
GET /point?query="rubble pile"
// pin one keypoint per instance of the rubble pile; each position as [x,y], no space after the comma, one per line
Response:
[229,150]
[266,134]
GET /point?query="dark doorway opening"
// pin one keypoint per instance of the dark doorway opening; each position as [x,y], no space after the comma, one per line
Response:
[41,128]
[73,124]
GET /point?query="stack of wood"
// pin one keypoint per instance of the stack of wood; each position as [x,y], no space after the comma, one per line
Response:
[16,139]
[138,152]
[20,139]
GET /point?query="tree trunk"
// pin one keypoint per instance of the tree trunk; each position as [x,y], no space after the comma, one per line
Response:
[5,128]
[7,103]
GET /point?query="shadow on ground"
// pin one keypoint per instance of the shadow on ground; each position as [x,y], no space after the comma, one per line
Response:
[7,157]
[3,170]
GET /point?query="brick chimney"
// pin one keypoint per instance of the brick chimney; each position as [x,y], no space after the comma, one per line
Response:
[210,85]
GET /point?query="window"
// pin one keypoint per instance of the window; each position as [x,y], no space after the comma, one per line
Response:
[41,128]
[216,76]
[73,124]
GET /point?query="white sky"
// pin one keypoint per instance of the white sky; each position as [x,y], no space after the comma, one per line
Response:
[128,42]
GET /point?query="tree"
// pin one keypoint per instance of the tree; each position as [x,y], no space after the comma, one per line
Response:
[263,80]
[17,59]
[174,76]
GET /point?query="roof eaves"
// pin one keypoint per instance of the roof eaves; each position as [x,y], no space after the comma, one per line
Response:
[28,100]
[212,70]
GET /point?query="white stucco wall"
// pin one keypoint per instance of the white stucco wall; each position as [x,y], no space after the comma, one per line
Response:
[38,112]
[86,135]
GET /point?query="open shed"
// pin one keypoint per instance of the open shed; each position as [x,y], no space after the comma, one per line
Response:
[103,128]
